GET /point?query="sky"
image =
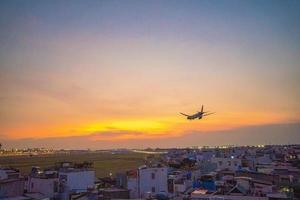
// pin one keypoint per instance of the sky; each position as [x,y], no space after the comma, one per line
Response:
[109,74]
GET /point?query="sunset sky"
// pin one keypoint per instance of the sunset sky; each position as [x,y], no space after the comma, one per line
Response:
[108,74]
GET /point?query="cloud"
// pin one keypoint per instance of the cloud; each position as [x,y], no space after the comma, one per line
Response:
[264,134]
[114,135]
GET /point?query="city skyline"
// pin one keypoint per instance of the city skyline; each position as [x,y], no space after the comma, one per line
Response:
[110,73]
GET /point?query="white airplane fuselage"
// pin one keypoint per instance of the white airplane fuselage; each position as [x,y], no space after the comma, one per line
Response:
[198,115]
[195,116]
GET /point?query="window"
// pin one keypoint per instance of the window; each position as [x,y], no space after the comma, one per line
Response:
[32,185]
[63,178]
[220,162]
[55,186]
[153,189]
[153,175]
[229,163]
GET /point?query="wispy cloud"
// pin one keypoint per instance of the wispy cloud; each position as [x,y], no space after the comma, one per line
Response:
[250,135]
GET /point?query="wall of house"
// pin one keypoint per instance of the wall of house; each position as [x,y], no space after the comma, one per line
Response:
[132,186]
[182,187]
[154,180]
[77,180]
[11,188]
[3,174]
[262,189]
[227,163]
[45,186]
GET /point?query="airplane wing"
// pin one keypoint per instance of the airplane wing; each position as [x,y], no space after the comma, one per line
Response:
[209,114]
[185,114]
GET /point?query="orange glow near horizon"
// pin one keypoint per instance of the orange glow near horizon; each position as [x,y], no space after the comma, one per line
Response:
[136,128]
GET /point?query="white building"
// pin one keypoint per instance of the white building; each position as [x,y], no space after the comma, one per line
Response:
[230,163]
[180,186]
[132,183]
[11,183]
[132,186]
[152,180]
[76,180]
[45,184]
[265,159]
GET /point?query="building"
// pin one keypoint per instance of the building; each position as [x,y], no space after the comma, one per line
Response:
[43,182]
[113,193]
[152,180]
[202,195]
[181,185]
[76,179]
[11,183]
[132,184]
[231,163]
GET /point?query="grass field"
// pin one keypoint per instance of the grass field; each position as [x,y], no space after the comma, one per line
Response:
[104,163]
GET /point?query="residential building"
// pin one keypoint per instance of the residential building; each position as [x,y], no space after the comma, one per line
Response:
[153,180]
[11,183]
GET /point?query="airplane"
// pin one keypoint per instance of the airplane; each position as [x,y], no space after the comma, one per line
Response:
[198,115]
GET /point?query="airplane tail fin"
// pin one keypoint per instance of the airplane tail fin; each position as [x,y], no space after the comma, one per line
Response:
[202,109]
